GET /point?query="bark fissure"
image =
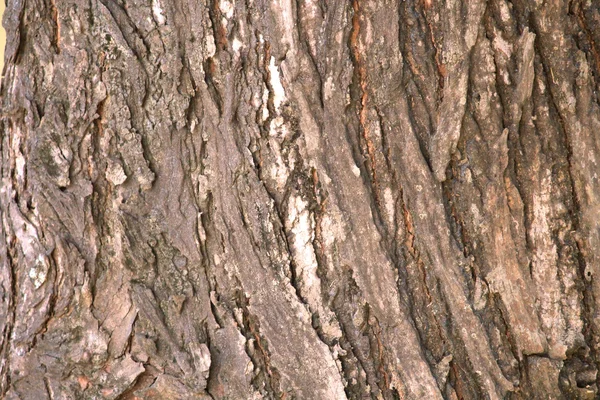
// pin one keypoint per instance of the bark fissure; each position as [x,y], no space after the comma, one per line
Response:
[300,199]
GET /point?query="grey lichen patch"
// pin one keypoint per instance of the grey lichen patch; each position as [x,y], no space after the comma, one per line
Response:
[525,66]
[480,295]
[39,272]
[276,87]
[449,121]
[55,158]
[202,359]
[115,173]
[158,12]
[132,152]
[301,225]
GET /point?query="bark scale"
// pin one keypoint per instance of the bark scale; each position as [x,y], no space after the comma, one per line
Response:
[300,199]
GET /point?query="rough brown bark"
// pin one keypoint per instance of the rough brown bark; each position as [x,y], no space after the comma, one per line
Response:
[311,199]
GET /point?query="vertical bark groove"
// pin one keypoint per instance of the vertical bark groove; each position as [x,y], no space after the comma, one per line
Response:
[300,199]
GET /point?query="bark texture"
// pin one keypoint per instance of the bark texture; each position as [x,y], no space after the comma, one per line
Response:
[309,199]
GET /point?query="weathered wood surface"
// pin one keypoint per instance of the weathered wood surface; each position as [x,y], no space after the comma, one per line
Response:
[305,199]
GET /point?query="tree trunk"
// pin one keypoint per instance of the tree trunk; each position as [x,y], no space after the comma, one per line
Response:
[311,199]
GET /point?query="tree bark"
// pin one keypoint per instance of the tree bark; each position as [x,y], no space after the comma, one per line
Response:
[311,199]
